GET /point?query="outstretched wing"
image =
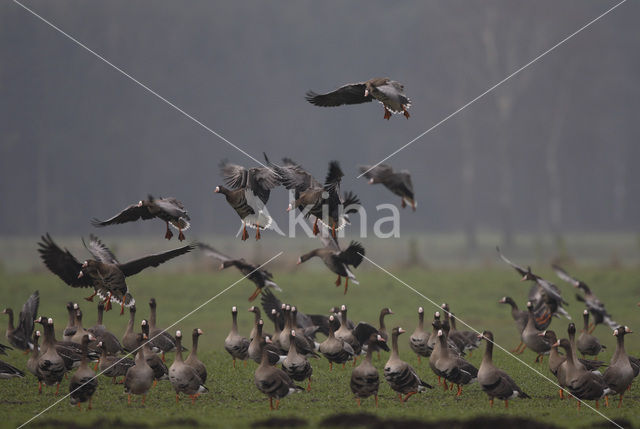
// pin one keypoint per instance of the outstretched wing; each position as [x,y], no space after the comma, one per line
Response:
[28,314]
[137,265]
[210,251]
[129,214]
[270,302]
[234,175]
[62,263]
[353,254]
[518,268]
[99,250]
[334,176]
[564,275]
[348,94]
[378,172]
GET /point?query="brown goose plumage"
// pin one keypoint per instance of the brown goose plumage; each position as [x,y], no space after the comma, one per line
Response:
[402,378]
[365,379]
[272,381]
[235,344]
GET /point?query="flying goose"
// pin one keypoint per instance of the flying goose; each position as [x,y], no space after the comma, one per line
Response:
[170,210]
[402,378]
[83,382]
[260,277]
[495,382]
[398,183]
[388,92]
[104,273]
[183,377]
[272,381]
[20,336]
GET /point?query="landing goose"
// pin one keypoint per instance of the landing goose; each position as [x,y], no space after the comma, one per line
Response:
[388,92]
[192,360]
[365,379]
[20,336]
[170,210]
[139,378]
[272,381]
[335,350]
[235,344]
[587,343]
[183,377]
[402,378]
[619,375]
[397,182]
[83,382]
[495,382]
[338,261]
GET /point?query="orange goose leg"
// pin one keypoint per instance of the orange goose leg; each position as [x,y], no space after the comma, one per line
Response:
[168,234]
[579,402]
[129,399]
[79,406]
[338,282]
[245,234]
[333,230]
[234,363]
[413,205]
[346,284]
[403,205]
[193,399]
[405,112]
[517,348]
[277,403]
[309,385]
[459,390]
[376,396]
[177,398]
[270,403]
[561,393]
[387,113]
[316,230]
[122,307]
[620,401]
[506,403]
[330,366]
[107,306]
[491,402]
[409,395]
[419,363]
[90,298]
[445,385]
[400,396]
[255,294]
[40,387]
[57,388]
[143,398]
[450,386]
[606,401]
[358,401]
[180,235]
[257,232]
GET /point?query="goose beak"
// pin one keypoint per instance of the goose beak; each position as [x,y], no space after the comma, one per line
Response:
[371,181]
[217,190]
[480,336]
[80,274]
[299,261]
[289,208]
[556,344]
[366,92]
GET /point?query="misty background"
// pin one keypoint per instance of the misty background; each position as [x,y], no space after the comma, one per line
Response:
[552,152]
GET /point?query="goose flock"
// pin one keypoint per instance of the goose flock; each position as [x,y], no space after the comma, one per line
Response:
[300,342]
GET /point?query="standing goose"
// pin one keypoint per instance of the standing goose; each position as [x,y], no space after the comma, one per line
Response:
[581,383]
[531,339]
[113,366]
[50,364]
[235,344]
[170,210]
[469,339]
[346,334]
[295,364]
[80,331]
[256,318]
[619,375]
[365,379]
[311,323]
[160,370]
[192,360]
[272,381]
[333,349]
[418,341]
[70,352]
[556,359]
[260,277]
[110,342]
[83,382]
[70,329]
[338,260]
[388,92]
[520,317]
[254,351]
[495,382]
[449,366]
[104,273]
[158,337]
[250,192]
[32,363]
[139,378]
[20,336]
[130,341]
[402,378]
[398,183]
[594,305]
[587,343]
[183,377]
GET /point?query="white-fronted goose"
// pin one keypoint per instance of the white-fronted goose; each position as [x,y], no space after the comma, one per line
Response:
[32,362]
[272,381]
[453,369]
[581,383]
[249,194]
[256,317]
[338,261]
[160,370]
[113,366]
[311,323]
[295,364]
[531,339]
[345,334]
[324,202]
[20,336]
[520,317]
[398,183]
[388,92]
[402,378]
[70,329]
[50,364]
[619,375]
[556,359]
[419,339]
[170,210]
[333,349]
[70,352]
[80,331]
[365,379]
[468,340]
[192,360]
[363,332]
[83,382]
[594,305]
[139,378]
[158,337]
[588,344]
[235,344]
[260,277]
[104,273]
[257,344]
[495,382]
[183,377]
[130,340]
[110,342]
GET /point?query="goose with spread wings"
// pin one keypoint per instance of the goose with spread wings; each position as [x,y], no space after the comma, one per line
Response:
[388,92]
[338,260]
[397,182]
[104,273]
[260,277]
[324,202]
[169,210]
[249,193]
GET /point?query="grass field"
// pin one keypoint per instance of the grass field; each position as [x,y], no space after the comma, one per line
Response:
[233,400]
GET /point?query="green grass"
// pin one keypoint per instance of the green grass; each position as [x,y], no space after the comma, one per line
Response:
[233,400]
